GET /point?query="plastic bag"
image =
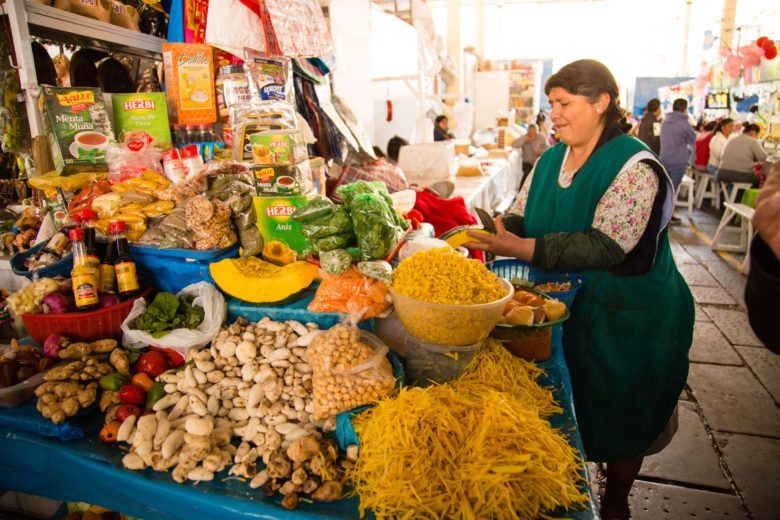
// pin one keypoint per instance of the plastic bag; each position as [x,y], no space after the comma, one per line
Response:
[51,181]
[169,232]
[379,270]
[83,199]
[329,243]
[336,223]
[351,293]
[180,340]
[336,261]
[420,244]
[270,78]
[126,163]
[237,190]
[376,233]
[316,209]
[352,361]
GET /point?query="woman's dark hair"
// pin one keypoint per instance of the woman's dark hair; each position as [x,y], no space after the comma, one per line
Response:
[625,125]
[589,78]
[754,109]
[439,119]
[752,128]
[709,127]
[726,121]
[653,105]
[378,152]
[540,119]
[680,105]
[394,147]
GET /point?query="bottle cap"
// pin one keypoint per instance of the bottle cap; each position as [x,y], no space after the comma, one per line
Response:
[170,155]
[76,234]
[88,214]
[117,226]
[191,150]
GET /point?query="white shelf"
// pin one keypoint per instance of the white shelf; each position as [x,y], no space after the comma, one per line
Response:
[62,26]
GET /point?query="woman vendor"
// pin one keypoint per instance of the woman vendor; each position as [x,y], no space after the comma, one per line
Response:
[599,202]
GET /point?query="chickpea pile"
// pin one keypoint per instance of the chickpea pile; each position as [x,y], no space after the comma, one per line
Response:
[347,372]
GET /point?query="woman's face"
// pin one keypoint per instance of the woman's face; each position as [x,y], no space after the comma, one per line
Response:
[576,119]
[727,129]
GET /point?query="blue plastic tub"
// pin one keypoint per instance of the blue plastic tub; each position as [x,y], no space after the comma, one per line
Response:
[172,270]
[512,268]
[60,268]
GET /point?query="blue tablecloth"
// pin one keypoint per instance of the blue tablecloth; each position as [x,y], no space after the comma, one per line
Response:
[86,470]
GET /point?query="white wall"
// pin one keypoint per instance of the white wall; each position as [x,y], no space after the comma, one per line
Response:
[350,28]
[394,54]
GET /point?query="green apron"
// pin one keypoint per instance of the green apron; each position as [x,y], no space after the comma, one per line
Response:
[628,338]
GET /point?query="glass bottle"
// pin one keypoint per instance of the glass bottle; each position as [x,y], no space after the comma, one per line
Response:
[126,274]
[84,277]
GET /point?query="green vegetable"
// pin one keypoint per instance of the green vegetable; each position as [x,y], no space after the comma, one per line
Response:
[155,393]
[375,228]
[336,261]
[380,270]
[316,209]
[332,242]
[336,223]
[113,381]
[167,313]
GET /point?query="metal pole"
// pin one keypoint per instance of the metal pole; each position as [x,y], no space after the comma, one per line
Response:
[17,18]
[684,63]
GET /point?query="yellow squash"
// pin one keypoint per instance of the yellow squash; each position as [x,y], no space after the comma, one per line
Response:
[247,279]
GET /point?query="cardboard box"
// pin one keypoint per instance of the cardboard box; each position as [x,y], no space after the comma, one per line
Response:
[142,116]
[279,148]
[77,127]
[189,83]
[272,181]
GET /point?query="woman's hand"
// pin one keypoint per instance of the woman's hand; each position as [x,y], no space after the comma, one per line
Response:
[767,216]
[503,243]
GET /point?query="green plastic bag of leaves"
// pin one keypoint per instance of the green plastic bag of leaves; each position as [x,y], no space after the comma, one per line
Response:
[335,224]
[375,228]
[349,192]
[336,261]
[329,243]
[316,209]
[237,191]
[378,269]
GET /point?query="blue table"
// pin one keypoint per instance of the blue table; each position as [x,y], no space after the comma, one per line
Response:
[88,471]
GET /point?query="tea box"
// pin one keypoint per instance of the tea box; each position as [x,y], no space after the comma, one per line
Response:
[282,237]
[281,148]
[292,180]
[142,117]
[189,80]
[77,127]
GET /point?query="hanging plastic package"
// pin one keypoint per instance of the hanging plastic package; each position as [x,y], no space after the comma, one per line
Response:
[232,25]
[270,78]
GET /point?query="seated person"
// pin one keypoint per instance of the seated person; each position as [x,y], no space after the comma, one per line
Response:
[441,129]
[739,156]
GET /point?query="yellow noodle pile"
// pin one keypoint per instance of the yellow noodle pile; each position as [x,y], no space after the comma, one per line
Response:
[467,449]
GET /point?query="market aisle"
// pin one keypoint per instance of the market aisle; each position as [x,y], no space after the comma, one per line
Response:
[723,462]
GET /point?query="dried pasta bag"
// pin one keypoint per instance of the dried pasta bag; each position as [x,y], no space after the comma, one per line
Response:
[351,293]
[350,369]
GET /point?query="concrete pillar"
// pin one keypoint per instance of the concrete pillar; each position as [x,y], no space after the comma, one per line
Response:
[454,44]
[727,24]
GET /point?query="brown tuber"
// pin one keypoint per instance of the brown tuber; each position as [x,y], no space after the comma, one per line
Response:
[303,449]
[328,492]
[290,501]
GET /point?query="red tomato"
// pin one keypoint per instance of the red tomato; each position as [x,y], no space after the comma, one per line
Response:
[132,394]
[126,410]
[152,363]
[175,359]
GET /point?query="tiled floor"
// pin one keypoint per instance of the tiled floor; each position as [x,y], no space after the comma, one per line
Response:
[725,460]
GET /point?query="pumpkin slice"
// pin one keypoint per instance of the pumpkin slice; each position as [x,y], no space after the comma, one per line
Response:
[274,286]
[458,236]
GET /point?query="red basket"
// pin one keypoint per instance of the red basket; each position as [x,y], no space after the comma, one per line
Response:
[81,326]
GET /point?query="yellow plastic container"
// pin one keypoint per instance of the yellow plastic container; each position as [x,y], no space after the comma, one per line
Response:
[450,324]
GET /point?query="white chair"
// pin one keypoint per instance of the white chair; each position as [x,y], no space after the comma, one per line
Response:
[730,195]
[686,184]
[707,188]
[745,230]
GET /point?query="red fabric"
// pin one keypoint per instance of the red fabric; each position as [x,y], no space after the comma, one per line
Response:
[445,214]
[703,149]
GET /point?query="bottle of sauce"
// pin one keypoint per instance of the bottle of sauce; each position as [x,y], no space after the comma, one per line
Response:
[126,275]
[108,269]
[88,218]
[84,277]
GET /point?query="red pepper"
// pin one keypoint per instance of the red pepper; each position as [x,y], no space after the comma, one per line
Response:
[126,410]
[132,394]
[175,359]
[152,363]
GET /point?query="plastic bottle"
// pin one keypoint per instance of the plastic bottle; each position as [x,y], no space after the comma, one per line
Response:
[126,274]
[173,167]
[84,277]
[192,160]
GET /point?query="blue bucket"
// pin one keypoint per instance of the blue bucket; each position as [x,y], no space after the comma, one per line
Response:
[59,268]
[512,268]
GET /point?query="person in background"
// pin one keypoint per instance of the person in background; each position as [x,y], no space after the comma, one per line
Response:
[739,156]
[762,292]
[379,153]
[599,203]
[394,148]
[702,146]
[649,131]
[533,145]
[441,129]
[543,125]
[753,116]
[677,140]
[720,137]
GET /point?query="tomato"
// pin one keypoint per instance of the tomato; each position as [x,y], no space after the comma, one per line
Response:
[126,410]
[132,394]
[152,363]
[110,431]
[175,359]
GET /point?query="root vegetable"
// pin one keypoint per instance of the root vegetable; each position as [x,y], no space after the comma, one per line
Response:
[328,492]
[133,461]
[259,480]
[126,429]
[172,443]
[198,426]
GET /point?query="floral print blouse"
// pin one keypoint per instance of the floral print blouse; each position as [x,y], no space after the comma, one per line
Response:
[623,211]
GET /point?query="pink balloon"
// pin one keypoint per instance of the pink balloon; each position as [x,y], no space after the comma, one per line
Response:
[734,73]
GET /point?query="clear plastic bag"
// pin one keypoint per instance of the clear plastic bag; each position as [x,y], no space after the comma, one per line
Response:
[180,340]
[125,163]
[351,293]
[351,369]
